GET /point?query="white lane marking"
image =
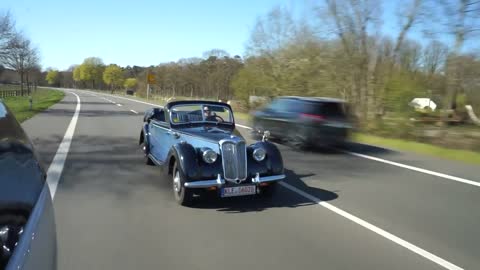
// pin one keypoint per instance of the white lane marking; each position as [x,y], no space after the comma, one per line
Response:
[442,175]
[432,257]
[56,167]
[134,111]
[119,105]
[131,99]
[242,126]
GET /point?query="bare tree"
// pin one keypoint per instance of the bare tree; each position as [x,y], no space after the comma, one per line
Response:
[20,56]
[32,64]
[409,56]
[434,57]
[408,18]
[7,31]
[352,21]
[461,20]
[272,32]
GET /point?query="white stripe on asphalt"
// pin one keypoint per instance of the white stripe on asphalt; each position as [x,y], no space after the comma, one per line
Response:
[134,111]
[56,167]
[119,105]
[131,99]
[242,126]
[425,171]
[432,257]
[442,175]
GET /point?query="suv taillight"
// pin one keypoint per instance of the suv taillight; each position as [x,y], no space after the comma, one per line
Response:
[312,116]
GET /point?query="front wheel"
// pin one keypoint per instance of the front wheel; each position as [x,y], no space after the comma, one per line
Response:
[183,195]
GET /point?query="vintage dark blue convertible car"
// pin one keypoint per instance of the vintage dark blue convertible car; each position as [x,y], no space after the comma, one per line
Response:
[196,143]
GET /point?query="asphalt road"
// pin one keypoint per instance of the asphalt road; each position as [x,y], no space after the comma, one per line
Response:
[336,210]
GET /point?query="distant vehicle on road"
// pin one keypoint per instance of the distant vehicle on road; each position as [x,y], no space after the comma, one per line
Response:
[304,121]
[195,142]
[27,225]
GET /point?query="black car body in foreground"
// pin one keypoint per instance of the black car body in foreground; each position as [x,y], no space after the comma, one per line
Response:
[196,143]
[302,121]
[27,225]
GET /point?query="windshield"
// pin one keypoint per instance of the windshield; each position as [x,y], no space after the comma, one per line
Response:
[194,113]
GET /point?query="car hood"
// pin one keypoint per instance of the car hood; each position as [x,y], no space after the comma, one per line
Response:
[211,133]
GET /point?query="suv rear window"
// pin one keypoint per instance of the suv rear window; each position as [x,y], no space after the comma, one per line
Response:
[329,109]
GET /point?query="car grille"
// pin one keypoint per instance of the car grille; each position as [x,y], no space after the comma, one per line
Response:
[234,160]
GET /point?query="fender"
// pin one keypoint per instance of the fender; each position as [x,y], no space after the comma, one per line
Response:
[273,161]
[186,157]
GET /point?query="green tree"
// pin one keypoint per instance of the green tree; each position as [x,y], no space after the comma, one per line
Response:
[91,70]
[130,83]
[77,78]
[52,77]
[113,76]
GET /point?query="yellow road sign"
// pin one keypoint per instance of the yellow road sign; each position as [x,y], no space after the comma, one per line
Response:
[151,78]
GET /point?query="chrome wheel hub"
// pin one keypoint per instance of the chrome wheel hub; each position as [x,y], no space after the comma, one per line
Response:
[176,182]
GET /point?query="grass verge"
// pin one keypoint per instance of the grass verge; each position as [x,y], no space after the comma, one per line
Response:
[421,148]
[42,99]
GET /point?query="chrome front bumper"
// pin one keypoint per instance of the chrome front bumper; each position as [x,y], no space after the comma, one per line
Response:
[219,182]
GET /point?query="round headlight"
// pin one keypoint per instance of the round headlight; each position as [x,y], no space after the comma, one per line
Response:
[209,156]
[259,154]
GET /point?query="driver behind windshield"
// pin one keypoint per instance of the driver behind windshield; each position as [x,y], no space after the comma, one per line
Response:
[209,115]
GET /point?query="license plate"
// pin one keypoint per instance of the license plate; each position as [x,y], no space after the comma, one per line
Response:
[238,191]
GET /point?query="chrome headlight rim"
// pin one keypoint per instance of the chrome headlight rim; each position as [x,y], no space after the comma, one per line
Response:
[259,154]
[209,156]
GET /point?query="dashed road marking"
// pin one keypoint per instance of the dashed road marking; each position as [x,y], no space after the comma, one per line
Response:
[56,167]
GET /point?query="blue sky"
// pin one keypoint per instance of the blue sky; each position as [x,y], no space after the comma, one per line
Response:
[142,32]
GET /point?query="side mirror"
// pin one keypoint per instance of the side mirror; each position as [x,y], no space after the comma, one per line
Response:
[265,136]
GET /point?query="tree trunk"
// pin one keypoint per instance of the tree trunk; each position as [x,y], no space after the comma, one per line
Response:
[21,82]
[28,83]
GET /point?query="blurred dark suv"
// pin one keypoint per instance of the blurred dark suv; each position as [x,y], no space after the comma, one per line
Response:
[305,121]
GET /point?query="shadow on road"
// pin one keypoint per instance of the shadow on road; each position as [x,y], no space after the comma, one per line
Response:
[366,149]
[330,150]
[283,198]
